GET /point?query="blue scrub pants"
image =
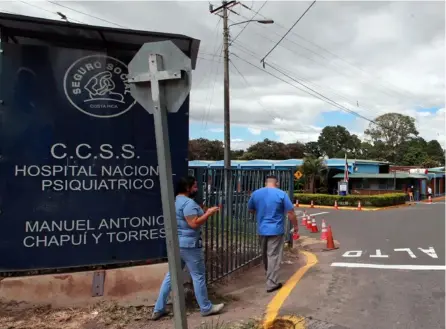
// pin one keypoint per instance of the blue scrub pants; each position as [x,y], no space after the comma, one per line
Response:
[193,258]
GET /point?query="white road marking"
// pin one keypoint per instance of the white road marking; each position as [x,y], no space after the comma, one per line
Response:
[411,254]
[379,254]
[392,267]
[352,253]
[431,252]
[319,213]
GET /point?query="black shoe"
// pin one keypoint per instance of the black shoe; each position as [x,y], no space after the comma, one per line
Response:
[275,288]
[158,315]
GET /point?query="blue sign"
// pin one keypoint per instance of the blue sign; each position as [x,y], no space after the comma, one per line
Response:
[78,165]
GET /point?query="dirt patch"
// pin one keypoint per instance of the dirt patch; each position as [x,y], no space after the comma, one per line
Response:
[281,324]
[100,316]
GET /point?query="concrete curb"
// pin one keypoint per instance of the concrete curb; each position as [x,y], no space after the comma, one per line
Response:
[138,284]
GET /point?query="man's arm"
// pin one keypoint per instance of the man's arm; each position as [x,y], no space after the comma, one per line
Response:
[251,205]
[289,209]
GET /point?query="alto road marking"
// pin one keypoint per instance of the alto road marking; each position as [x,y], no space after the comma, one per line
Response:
[430,251]
[392,267]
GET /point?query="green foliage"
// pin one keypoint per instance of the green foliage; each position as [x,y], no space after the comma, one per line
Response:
[394,138]
[205,149]
[381,200]
[313,149]
[312,168]
[393,130]
[336,141]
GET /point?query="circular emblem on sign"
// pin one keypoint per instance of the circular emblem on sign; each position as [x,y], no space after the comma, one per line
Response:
[97,85]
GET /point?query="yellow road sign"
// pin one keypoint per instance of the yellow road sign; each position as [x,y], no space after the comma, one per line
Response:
[298,174]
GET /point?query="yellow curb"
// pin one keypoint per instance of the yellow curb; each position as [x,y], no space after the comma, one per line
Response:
[272,310]
[340,208]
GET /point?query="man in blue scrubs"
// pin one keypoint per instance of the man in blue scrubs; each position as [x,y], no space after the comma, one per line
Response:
[270,205]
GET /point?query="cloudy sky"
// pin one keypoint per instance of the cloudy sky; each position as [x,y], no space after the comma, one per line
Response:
[369,57]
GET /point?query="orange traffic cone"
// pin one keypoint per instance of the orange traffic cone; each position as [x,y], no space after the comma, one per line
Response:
[330,240]
[430,199]
[312,204]
[309,223]
[336,204]
[359,205]
[296,236]
[314,228]
[304,220]
[324,231]
[297,204]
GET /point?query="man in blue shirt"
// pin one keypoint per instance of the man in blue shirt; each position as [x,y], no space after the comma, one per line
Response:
[270,204]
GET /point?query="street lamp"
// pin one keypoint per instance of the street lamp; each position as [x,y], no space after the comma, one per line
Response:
[260,21]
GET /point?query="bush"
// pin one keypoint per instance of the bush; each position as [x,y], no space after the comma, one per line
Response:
[380,200]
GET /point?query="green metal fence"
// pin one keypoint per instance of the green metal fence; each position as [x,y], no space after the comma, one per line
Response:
[230,237]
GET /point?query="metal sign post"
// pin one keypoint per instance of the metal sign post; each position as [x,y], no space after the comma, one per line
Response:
[168,70]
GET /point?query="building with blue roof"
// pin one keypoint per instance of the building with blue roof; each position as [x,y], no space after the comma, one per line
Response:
[365,176]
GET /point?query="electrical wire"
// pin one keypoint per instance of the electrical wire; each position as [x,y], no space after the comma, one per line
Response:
[357,67]
[86,14]
[275,115]
[249,52]
[384,91]
[316,94]
[246,25]
[263,59]
[218,51]
[49,11]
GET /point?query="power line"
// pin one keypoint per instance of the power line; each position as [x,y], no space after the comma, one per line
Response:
[321,97]
[253,16]
[242,48]
[86,14]
[275,115]
[263,59]
[384,91]
[336,56]
[48,11]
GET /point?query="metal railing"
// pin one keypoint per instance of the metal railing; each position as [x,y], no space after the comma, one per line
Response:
[230,239]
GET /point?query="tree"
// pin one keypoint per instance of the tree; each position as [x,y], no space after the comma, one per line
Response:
[205,149]
[414,156]
[267,149]
[312,168]
[429,163]
[312,149]
[237,154]
[435,152]
[336,141]
[295,150]
[393,130]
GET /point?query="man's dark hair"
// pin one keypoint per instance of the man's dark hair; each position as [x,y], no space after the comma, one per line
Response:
[184,184]
[271,177]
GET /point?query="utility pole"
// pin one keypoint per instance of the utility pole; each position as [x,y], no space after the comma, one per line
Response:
[222,11]
[226,115]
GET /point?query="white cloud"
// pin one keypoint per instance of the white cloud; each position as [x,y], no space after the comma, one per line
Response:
[215,130]
[254,131]
[387,56]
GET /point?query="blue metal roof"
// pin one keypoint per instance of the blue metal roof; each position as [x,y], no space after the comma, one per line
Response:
[290,163]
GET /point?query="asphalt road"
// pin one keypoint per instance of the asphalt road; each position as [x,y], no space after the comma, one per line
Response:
[406,289]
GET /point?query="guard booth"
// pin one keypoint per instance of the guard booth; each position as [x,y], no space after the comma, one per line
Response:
[78,163]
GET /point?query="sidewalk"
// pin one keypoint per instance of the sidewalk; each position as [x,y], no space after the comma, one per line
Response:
[244,295]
